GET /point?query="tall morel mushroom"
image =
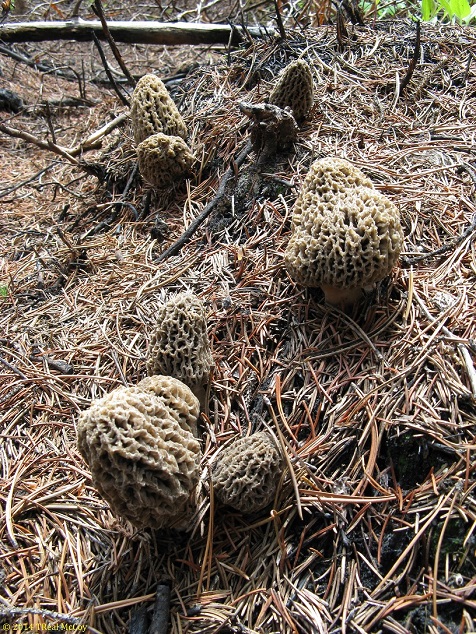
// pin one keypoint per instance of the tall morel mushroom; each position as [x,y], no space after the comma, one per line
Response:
[164,160]
[153,110]
[143,456]
[179,345]
[344,244]
[247,473]
[294,89]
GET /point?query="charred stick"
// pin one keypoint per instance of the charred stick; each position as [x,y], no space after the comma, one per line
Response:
[138,622]
[160,615]
[122,97]
[98,10]
[416,54]
[279,19]
[188,233]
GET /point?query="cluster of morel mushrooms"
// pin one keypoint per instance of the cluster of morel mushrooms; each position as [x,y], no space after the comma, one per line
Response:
[141,442]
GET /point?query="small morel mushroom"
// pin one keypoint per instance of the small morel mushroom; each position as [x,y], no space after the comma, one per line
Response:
[144,459]
[344,244]
[164,160]
[153,110]
[247,473]
[326,178]
[179,345]
[294,89]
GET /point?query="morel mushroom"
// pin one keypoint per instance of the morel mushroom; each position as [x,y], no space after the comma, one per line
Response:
[164,160]
[178,398]
[326,178]
[153,110]
[344,244]
[143,456]
[179,344]
[247,473]
[294,89]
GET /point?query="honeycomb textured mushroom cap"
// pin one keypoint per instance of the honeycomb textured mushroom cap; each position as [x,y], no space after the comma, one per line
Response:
[247,473]
[164,160]
[179,399]
[153,110]
[345,243]
[179,345]
[294,89]
[326,178]
[143,460]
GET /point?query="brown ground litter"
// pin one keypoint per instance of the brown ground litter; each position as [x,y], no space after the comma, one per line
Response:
[374,523]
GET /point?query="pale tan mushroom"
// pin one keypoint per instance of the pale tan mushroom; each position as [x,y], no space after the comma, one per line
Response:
[153,110]
[294,89]
[143,456]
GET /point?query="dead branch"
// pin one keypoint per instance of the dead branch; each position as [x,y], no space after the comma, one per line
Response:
[450,246]
[122,97]
[416,56]
[134,32]
[279,19]
[11,613]
[468,361]
[94,141]
[90,168]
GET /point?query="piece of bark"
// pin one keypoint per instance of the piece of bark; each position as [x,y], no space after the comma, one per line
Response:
[273,129]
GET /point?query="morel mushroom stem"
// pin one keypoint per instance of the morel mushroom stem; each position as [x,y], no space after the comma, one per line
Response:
[341,296]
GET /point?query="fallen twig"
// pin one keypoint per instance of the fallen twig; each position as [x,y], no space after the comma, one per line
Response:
[188,233]
[468,361]
[14,369]
[93,141]
[13,188]
[279,19]
[160,615]
[416,55]
[444,247]
[11,613]
[91,168]
[122,97]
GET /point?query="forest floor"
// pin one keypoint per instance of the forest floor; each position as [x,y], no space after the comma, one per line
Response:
[373,528]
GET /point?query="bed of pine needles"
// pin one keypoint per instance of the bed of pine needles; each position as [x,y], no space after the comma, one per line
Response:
[373,528]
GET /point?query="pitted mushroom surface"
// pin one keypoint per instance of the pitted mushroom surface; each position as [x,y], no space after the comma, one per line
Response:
[153,110]
[143,456]
[247,473]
